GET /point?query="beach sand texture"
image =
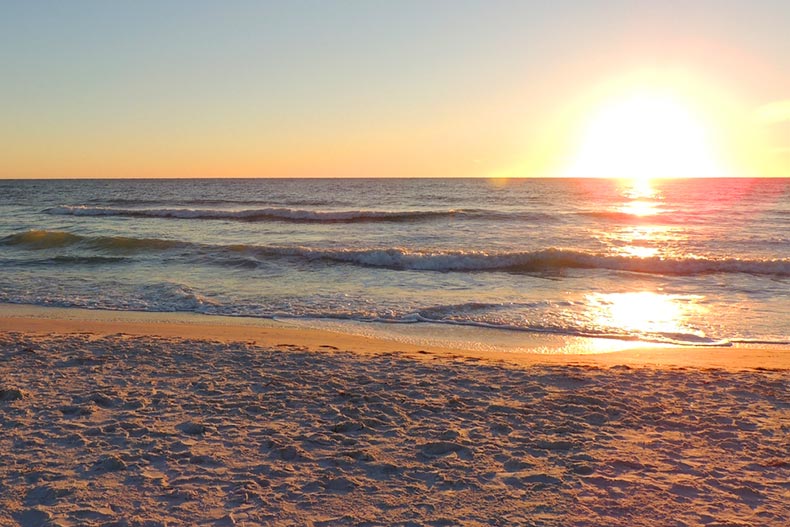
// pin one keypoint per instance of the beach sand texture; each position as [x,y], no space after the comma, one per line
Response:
[150,431]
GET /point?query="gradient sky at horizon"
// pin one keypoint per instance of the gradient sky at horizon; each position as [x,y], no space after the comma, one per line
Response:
[364,88]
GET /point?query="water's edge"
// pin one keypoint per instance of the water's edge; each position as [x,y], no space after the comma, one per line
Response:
[431,335]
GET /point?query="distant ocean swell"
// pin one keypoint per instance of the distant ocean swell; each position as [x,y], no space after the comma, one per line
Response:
[137,202]
[287,214]
[399,258]
[262,214]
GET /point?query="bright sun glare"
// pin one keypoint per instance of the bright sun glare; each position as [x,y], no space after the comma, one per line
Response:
[642,136]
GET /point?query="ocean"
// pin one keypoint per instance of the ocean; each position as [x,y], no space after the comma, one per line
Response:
[687,261]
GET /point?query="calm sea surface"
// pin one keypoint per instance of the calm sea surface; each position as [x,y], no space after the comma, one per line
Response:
[687,261]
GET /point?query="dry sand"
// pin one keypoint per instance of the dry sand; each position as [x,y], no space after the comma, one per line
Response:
[129,421]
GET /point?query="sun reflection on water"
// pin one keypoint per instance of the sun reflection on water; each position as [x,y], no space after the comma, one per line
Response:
[639,188]
[644,312]
[650,237]
[651,314]
[641,208]
[642,198]
[642,241]
[639,251]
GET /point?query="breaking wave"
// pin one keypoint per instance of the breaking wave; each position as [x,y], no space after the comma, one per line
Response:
[526,261]
[407,259]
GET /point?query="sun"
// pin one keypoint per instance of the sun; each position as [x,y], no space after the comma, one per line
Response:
[645,135]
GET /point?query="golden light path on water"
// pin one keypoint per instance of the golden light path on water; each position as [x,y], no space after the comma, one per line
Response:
[649,237]
[643,311]
[646,311]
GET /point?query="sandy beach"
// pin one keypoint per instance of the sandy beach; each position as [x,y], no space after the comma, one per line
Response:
[153,420]
[413,264]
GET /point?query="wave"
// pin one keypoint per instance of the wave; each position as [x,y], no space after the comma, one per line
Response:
[459,318]
[39,239]
[42,240]
[690,339]
[262,214]
[300,215]
[138,202]
[775,342]
[532,261]
[399,258]
[297,215]
[78,260]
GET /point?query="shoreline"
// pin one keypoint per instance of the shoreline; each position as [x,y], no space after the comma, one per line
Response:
[536,349]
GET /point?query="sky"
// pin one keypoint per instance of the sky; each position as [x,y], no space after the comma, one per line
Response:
[371,88]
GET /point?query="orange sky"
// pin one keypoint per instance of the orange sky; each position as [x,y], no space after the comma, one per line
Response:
[352,89]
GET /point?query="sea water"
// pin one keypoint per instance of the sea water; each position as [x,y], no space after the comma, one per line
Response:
[688,261]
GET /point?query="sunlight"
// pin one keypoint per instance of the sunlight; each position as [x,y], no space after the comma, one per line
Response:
[640,208]
[643,312]
[643,241]
[639,251]
[643,198]
[639,189]
[642,136]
